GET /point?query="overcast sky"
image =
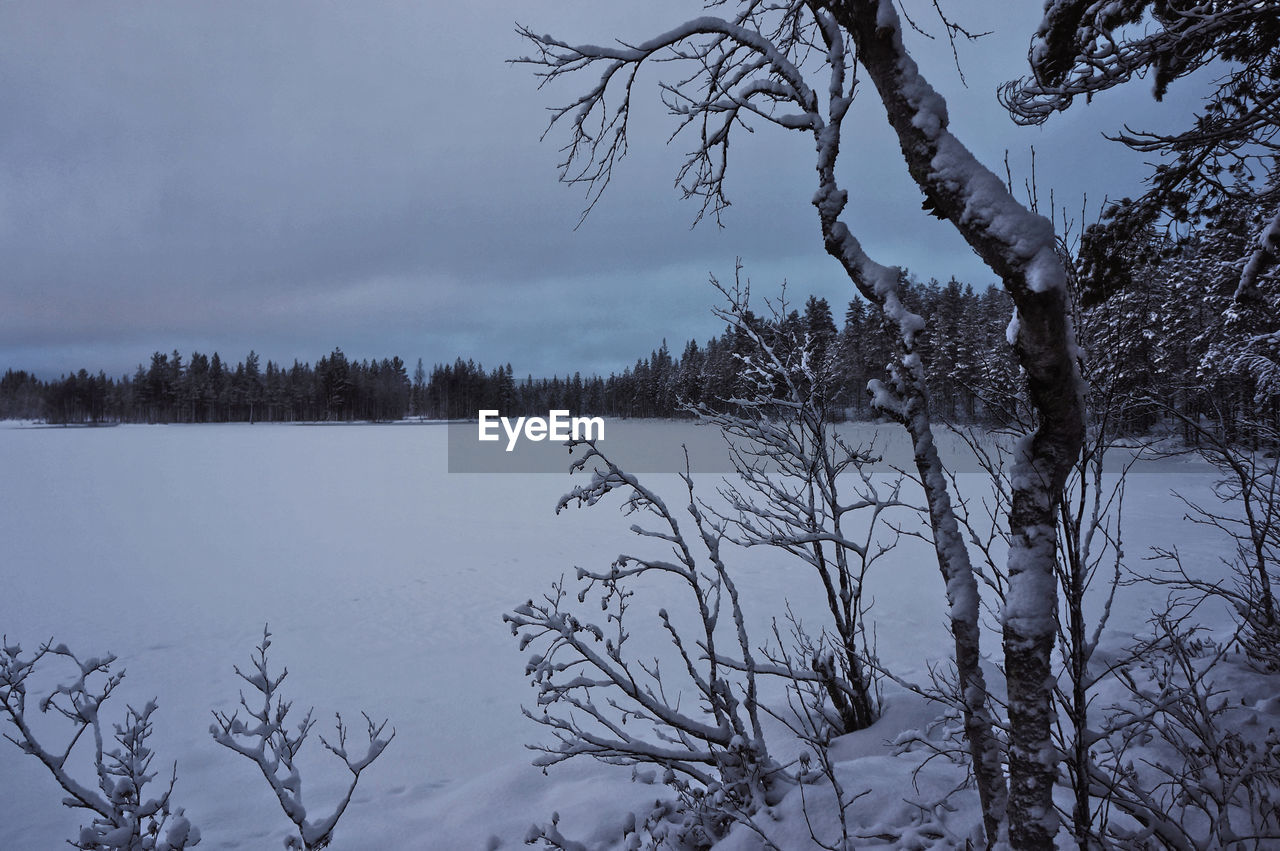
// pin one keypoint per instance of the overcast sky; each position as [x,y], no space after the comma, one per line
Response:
[295,176]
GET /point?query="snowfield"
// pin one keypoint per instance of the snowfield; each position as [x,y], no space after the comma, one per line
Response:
[384,579]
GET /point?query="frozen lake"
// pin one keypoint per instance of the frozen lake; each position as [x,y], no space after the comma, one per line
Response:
[384,579]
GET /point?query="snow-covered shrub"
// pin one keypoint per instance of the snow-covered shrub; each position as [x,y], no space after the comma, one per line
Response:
[264,739]
[1184,761]
[800,489]
[697,720]
[125,816]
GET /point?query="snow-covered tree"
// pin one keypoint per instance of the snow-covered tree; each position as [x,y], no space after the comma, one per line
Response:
[1084,47]
[793,64]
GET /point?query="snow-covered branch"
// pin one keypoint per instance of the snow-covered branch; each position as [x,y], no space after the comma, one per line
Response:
[1084,47]
[788,492]
[600,699]
[263,738]
[746,66]
[125,817]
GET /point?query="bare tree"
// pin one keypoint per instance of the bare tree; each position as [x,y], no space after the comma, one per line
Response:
[793,64]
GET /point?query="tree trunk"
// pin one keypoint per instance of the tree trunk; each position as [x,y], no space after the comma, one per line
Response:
[909,405]
[1019,247]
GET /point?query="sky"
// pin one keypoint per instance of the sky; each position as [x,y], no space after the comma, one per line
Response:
[299,175]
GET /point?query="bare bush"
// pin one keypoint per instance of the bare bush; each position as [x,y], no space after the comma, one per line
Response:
[798,489]
[1248,512]
[1207,775]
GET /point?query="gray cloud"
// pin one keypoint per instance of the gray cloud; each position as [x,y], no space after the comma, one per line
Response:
[293,176]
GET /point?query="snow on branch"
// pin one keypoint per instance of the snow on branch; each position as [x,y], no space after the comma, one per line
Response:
[263,738]
[1083,47]
[685,712]
[1265,256]
[743,67]
[125,816]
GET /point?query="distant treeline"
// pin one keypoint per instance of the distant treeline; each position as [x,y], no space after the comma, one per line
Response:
[206,389]
[964,351]
[1173,338]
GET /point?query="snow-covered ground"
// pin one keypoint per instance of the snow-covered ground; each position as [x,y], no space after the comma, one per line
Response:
[384,579]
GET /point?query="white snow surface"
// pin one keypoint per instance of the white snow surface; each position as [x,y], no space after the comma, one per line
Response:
[384,579]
